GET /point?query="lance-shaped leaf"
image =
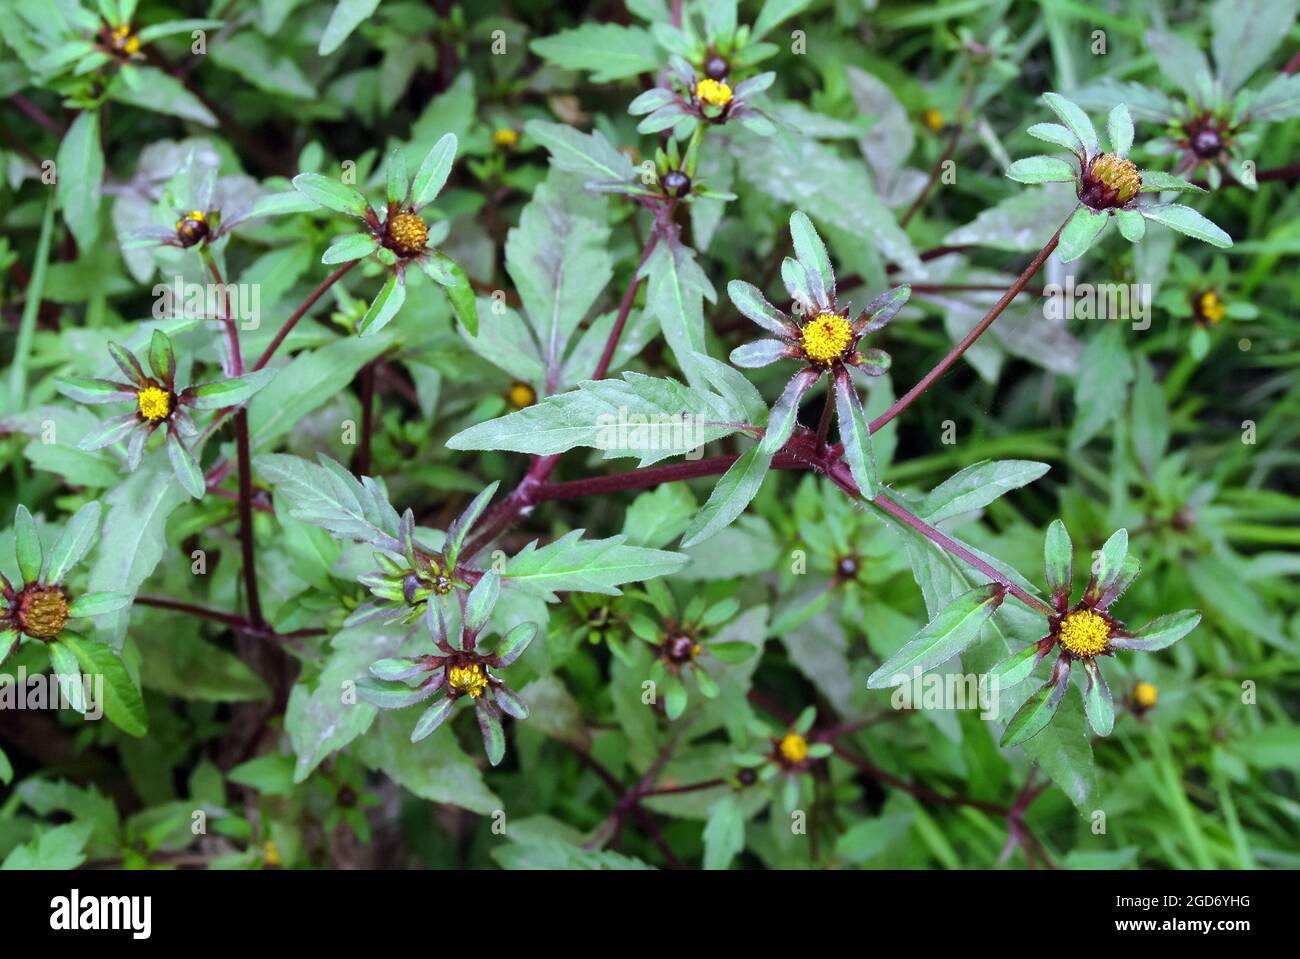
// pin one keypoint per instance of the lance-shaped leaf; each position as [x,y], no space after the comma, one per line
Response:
[510,702]
[95,391]
[8,640]
[96,604]
[494,737]
[955,627]
[1131,225]
[329,496]
[1016,668]
[855,434]
[331,194]
[976,486]
[162,360]
[1080,233]
[396,180]
[514,643]
[750,301]
[1097,702]
[123,703]
[785,412]
[68,672]
[1074,118]
[811,252]
[1186,220]
[351,247]
[387,694]
[384,306]
[482,598]
[432,718]
[1156,181]
[759,353]
[1119,129]
[1058,557]
[74,542]
[27,545]
[593,566]
[1108,566]
[1055,133]
[183,465]
[463,523]
[1041,169]
[735,490]
[447,273]
[876,314]
[1032,718]
[395,670]
[1160,633]
[434,170]
[232,392]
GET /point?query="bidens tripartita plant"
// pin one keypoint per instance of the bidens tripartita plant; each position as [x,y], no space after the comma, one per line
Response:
[350,536]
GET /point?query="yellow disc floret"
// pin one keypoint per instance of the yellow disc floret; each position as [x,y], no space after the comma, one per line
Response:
[124,41]
[1145,695]
[794,748]
[1119,175]
[1212,308]
[1084,633]
[826,337]
[506,138]
[713,92]
[154,403]
[521,395]
[408,233]
[43,612]
[933,119]
[471,679]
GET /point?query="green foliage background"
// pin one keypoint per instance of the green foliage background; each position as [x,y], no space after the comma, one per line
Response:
[1184,433]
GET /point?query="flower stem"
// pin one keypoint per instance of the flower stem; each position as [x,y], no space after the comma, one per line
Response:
[959,124]
[299,313]
[906,400]
[624,309]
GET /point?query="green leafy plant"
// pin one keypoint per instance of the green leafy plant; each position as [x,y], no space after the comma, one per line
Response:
[394,462]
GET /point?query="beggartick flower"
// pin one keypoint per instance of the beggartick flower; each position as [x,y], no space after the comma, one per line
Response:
[688,99]
[1144,696]
[1213,117]
[41,606]
[410,573]
[1082,633]
[679,642]
[460,668]
[398,236]
[520,395]
[505,138]
[1208,297]
[158,404]
[200,208]
[1108,184]
[932,120]
[822,337]
[788,759]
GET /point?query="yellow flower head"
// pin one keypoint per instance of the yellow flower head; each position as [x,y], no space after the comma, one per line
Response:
[507,138]
[1145,695]
[124,41]
[408,233]
[271,853]
[154,403]
[1084,633]
[520,395]
[932,119]
[471,679]
[715,93]
[826,337]
[1212,308]
[1118,175]
[794,748]
[43,612]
